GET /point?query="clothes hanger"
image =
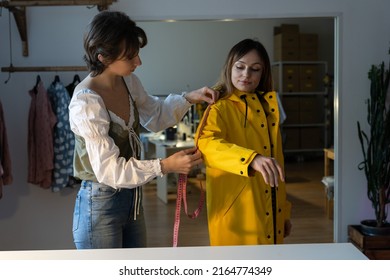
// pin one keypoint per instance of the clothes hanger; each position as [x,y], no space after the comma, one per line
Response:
[37,83]
[38,80]
[70,88]
[76,79]
[56,79]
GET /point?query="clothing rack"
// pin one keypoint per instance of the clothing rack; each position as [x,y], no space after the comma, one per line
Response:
[12,69]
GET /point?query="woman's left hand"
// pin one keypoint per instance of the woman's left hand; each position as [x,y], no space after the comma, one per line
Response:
[269,168]
[204,94]
[287,228]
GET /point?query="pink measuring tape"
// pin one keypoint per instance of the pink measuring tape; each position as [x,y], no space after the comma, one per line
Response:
[182,194]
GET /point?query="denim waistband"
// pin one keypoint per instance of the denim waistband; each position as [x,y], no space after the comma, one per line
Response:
[88,184]
[136,192]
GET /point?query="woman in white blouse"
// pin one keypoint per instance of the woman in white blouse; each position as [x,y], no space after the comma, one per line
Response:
[106,111]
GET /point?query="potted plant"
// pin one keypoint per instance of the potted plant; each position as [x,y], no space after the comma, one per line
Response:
[376,147]
[372,236]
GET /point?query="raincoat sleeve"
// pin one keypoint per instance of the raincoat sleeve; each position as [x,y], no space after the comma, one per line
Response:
[217,152]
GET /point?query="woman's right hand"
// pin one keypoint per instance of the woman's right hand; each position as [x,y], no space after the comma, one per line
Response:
[182,161]
[269,168]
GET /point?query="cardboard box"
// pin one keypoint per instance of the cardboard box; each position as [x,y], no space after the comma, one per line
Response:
[312,138]
[291,138]
[308,86]
[309,71]
[286,41]
[311,103]
[308,40]
[308,54]
[291,103]
[311,109]
[310,117]
[292,117]
[288,86]
[290,78]
[286,46]
[286,54]
[291,108]
[286,28]
[289,72]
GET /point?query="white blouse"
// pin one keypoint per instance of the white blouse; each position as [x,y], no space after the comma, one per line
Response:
[90,119]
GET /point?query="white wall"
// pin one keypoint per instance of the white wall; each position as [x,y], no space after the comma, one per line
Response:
[189,54]
[32,218]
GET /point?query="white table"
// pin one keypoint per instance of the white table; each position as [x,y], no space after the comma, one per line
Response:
[324,251]
[303,261]
[164,149]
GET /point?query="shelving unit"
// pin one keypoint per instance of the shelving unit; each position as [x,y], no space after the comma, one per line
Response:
[306,103]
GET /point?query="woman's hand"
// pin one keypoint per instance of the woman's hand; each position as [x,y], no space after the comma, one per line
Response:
[204,94]
[287,228]
[269,168]
[181,162]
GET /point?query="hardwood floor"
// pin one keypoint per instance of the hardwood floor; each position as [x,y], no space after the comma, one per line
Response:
[306,193]
[304,190]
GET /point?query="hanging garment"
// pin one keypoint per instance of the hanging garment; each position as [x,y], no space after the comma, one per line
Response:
[70,88]
[63,137]
[41,121]
[5,159]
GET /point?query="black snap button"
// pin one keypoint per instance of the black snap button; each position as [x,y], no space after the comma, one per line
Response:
[265,147]
[242,159]
[241,172]
[273,124]
[262,125]
[268,236]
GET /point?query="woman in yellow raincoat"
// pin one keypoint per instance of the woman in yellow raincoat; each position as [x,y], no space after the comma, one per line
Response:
[240,141]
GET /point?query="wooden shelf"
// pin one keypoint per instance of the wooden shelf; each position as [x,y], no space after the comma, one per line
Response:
[24,3]
[374,247]
[12,69]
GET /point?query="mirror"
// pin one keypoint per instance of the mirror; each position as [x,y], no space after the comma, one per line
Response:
[185,55]
[181,55]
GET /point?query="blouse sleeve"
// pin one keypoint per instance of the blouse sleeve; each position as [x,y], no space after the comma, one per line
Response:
[155,113]
[90,120]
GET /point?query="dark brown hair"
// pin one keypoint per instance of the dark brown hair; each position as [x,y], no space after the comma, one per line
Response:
[113,35]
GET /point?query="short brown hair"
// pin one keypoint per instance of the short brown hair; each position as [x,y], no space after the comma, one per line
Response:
[111,34]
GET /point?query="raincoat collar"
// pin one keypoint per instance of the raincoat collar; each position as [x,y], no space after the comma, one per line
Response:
[240,96]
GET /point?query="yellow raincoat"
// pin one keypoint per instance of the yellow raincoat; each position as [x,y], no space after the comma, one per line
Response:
[239,203]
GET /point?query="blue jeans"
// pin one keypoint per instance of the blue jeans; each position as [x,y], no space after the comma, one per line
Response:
[104,218]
